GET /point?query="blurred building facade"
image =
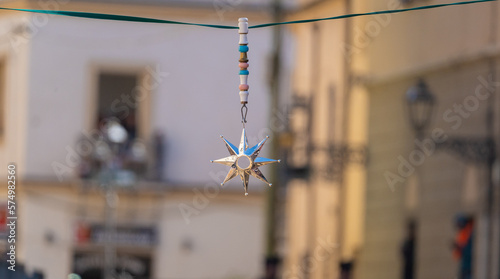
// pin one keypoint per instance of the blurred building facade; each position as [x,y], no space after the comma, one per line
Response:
[458,59]
[390,206]
[316,123]
[170,87]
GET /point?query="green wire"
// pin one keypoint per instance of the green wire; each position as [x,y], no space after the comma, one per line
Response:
[117,17]
[371,13]
[153,20]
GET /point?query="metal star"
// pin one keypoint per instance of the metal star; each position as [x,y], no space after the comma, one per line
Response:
[244,161]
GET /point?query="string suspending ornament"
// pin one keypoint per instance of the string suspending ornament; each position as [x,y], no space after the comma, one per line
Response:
[244,161]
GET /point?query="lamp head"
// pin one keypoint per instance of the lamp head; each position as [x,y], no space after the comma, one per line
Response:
[420,103]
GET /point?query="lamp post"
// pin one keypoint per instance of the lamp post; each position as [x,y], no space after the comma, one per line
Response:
[479,150]
[108,151]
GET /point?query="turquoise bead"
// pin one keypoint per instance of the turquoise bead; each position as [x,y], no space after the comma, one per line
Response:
[244,72]
[243,48]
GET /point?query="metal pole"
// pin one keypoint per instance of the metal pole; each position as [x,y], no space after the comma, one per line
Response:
[110,230]
[271,224]
[490,126]
[111,200]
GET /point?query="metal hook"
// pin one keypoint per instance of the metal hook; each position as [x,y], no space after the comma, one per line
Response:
[244,111]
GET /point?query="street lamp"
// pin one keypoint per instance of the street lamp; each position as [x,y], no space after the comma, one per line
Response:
[339,154]
[420,106]
[420,102]
[115,132]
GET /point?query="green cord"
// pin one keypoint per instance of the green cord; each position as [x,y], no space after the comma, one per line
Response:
[153,20]
[117,17]
[370,13]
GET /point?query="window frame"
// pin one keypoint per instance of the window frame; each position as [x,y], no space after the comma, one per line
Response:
[143,111]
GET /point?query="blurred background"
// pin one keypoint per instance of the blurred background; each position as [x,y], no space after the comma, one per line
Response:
[387,126]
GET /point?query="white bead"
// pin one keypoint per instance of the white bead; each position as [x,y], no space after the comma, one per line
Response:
[243,39]
[243,25]
[243,79]
[244,96]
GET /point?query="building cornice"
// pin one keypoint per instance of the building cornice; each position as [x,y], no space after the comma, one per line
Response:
[424,69]
[142,187]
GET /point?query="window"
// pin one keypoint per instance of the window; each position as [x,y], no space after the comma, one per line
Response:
[116,98]
[121,96]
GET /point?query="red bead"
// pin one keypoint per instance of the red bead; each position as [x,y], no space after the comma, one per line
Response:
[244,87]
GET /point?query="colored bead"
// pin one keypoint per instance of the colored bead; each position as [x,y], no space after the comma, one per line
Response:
[243,57]
[243,48]
[244,87]
[243,65]
[244,72]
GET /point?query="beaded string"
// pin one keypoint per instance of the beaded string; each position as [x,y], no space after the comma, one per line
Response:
[243,48]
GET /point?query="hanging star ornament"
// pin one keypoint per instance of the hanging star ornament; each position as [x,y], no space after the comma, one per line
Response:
[244,161]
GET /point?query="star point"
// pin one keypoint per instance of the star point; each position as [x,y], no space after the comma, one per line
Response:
[244,161]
